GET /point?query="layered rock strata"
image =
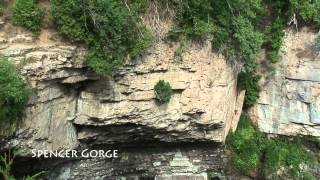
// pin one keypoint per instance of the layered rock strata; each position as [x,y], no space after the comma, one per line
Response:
[290,97]
[73,108]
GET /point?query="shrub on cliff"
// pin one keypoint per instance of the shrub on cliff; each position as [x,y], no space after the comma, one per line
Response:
[250,82]
[308,10]
[163,91]
[28,14]
[274,38]
[253,151]
[246,143]
[1,7]
[284,153]
[6,168]
[194,18]
[111,29]
[13,94]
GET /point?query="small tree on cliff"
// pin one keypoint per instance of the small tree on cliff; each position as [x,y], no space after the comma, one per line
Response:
[28,14]
[163,91]
[13,93]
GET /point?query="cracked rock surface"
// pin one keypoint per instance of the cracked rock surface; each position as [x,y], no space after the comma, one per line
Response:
[290,99]
[70,105]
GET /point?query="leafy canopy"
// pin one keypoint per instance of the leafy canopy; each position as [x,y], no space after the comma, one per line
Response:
[252,150]
[13,93]
[28,14]
[112,31]
[163,91]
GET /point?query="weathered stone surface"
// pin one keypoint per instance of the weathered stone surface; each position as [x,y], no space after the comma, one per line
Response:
[290,100]
[155,162]
[46,66]
[202,104]
[72,108]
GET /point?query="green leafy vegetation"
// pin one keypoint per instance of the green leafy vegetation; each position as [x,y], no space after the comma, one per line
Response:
[298,11]
[194,18]
[253,151]
[6,162]
[28,14]
[246,144]
[163,91]
[249,82]
[1,7]
[274,38]
[232,24]
[283,153]
[111,29]
[239,40]
[114,33]
[307,10]
[13,94]
[5,167]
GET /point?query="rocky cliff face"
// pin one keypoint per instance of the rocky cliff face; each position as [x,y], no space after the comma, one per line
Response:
[290,100]
[72,108]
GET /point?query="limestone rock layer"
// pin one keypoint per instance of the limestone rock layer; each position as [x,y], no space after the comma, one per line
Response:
[290,98]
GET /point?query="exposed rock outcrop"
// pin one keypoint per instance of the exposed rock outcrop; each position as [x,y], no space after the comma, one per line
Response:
[290,97]
[201,108]
[72,108]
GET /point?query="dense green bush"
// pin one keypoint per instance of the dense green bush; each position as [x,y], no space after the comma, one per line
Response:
[194,18]
[28,14]
[13,94]
[163,91]
[232,24]
[249,82]
[274,38]
[308,10]
[6,162]
[282,11]
[112,31]
[253,151]
[245,144]
[239,40]
[283,153]
[236,35]
[1,7]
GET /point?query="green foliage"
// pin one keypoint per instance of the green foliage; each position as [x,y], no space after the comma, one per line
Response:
[13,94]
[237,36]
[245,144]
[250,82]
[239,40]
[273,55]
[231,24]
[28,14]
[253,150]
[274,38]
[163,91]
[6,163]
[194,18]
[111,30]
[308,10]
[282,153]
[5,167]
[70,19]
[1,7]
[247,41]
